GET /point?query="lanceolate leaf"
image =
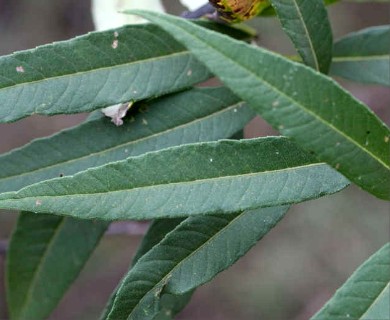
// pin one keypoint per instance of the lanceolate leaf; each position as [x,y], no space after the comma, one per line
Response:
[196,115]
[365,295]
[307,25]
[45,256]
[156,233]
[204,178]
[97,70]
[92,71]
[193,116]
[177,264]
[364,56]
[299,102]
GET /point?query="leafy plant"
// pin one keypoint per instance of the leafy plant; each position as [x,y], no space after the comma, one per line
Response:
[210,198]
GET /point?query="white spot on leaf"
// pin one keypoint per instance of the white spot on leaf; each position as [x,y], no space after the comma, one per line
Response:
[20,69]
[114,44]
[117,112]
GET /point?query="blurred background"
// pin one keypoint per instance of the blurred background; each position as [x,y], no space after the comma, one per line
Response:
[294,269]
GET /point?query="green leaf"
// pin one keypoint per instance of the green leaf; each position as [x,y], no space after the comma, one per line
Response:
[195,115]
[307,25]
[177,264]
[156,232]
[97,70]
[301,103]
[270,11]
[192,116]
[170,304]
[365,295]
[364,56]
[46,254]
[203,178]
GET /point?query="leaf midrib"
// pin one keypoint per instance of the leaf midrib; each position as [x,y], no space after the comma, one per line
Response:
[289,98]
[166,278]
[376,299]
[317,66]
[40,266]
[180,183]
[361,58]
[110,68]
[161,133]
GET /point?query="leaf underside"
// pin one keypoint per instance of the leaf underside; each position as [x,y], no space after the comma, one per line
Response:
[307,25]
[43,244]
[45,256]
[176,264]
[99,69]
[204,178]
[155,234]
[301,103]
[192,116]
[366,293]
[364,56]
